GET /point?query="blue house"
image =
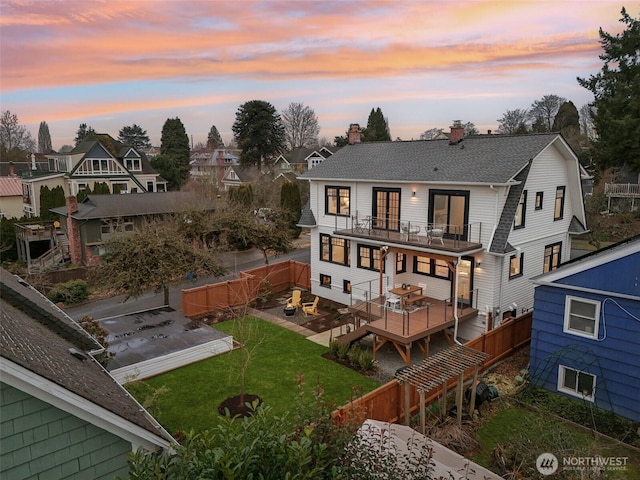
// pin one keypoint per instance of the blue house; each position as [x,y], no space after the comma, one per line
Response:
[586,329]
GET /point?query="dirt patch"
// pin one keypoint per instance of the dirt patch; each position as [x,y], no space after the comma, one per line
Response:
[240,405]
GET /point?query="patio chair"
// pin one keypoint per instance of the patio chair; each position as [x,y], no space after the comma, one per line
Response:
[310,308]
[437,232]
[408,230]
[392,300]
[295,300]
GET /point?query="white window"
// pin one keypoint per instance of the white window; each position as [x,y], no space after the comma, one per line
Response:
[576,383]
[581,316]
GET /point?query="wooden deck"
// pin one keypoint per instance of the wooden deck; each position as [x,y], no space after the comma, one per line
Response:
[402,329]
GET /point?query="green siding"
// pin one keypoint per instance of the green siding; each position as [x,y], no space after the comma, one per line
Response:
[39,441]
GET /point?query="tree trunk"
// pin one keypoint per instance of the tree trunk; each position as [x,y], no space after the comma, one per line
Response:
[166,295]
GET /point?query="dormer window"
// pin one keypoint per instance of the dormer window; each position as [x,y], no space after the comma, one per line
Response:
[133,164]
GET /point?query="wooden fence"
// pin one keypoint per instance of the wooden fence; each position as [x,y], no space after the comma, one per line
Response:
[247,287]
[386,403]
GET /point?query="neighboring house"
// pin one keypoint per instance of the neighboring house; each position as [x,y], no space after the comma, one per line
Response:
[90,223]
[212,166]
[621,188]
[586,329]
[468,218]
[10,197]
[104,160]
[236,176]
[63,415]
[300,160]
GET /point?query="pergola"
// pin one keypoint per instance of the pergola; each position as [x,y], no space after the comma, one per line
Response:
[438,370]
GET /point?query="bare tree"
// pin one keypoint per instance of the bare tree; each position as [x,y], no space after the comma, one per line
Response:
[544,111]
[301,126]
[431,133]
[470,129]
[14,136]
[586,122]
[513,122]
[154,256]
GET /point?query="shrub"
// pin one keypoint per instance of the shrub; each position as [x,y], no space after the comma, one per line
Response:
[343,351]
[333,348]
[354,354]
[365,360]
[73,291]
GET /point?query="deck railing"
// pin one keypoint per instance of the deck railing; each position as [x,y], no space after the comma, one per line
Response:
[622,189]
[409,230]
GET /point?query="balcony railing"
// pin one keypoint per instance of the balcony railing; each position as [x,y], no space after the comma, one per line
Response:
[622,189]
[436,235]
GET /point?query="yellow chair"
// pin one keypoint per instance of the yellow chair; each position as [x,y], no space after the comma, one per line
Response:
[310,308]
[295,300]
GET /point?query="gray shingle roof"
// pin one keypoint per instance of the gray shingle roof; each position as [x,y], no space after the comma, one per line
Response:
[30,338]
[307,219]
[500,242]
[480,159]
[134,204]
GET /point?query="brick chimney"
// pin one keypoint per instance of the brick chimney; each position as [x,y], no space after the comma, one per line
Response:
[354,133]
[457,133]
[12,170]
[73,231]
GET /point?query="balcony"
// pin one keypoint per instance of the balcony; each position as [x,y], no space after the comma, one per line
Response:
[458,239]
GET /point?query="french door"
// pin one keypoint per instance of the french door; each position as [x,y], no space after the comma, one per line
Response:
[386,209]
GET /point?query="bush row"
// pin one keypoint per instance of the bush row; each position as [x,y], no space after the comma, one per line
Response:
[354,354]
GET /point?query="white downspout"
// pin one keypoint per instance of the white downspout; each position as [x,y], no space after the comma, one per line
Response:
[455,304]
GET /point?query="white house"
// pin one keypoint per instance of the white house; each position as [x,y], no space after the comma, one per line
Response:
[470,219]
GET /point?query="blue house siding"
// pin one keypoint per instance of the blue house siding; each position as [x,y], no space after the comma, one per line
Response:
[613,358]
[39,441]
[620,276]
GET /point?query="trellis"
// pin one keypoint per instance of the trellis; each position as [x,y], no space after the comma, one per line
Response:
[438,370]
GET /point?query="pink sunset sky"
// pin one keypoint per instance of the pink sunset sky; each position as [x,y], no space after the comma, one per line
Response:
[424,63]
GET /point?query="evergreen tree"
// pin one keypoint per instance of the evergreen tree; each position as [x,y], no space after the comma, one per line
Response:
[291,204]
[134,136]
[45,202]
[377,128]
[259,132]
[82,194]
[101,188]
[83,133]
[214,140]
[567,120]
[58,198]
[173,163]
[44,138]
[616,89]
[241,195]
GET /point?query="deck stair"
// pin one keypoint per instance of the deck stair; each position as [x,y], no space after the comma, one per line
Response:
[353,336]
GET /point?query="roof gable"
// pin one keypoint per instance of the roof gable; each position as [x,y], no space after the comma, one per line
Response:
[597,269]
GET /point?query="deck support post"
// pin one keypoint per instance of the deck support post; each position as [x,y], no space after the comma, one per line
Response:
[407,404]
[443,408]
[459,398]
[472,403]
[422,412]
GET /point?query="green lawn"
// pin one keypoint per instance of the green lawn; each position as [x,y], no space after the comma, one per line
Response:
[187,398]
[523,434]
